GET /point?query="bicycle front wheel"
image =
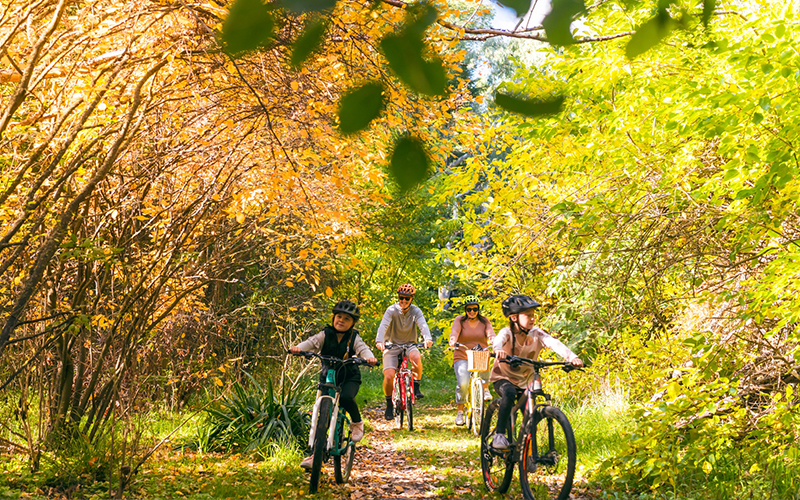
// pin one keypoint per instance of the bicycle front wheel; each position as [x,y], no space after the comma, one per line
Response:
[343,464]
[497,468]
[547,461]
[476,406]
[410,402]
[320,443]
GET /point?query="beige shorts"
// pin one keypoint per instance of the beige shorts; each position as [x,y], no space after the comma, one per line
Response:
[390,361]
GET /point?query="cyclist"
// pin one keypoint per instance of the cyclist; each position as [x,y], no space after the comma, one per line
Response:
[399,325]
[342,341]
[470,329]
[519,338]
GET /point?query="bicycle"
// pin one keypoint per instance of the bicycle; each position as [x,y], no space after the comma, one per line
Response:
[474,404]
[403,397]
[544,449]
[330,428]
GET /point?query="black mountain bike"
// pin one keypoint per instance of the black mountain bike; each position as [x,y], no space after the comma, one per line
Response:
[543,446]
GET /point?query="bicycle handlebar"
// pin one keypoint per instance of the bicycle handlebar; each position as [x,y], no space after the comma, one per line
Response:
[333,359]
[518,360]
[405,344]
[477,347]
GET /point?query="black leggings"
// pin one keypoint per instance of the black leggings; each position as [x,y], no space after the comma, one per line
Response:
[347,399]
[509,394]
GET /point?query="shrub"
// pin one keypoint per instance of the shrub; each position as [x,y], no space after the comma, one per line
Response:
[254,416]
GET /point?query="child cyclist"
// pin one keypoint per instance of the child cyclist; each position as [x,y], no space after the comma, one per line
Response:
[342,341]
[519,338]
[470,329]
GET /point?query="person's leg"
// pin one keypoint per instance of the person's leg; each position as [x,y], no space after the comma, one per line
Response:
[416,369]
[485,379]
[389,371]
[388,381]
[508,395]
[347,401]
[388,389]
[462,388]
[416,363]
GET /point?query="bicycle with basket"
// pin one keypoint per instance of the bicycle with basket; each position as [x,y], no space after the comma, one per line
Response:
[477,362]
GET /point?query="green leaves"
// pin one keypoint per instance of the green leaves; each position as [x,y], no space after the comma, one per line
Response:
[649,34]
[529,107]
[557,22]
[521,7]
[308,42]
[360,106]
[409,164]
[249,25]
[403,50]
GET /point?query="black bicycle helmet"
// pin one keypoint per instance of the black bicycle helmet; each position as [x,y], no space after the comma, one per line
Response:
[515,304]
[347,307]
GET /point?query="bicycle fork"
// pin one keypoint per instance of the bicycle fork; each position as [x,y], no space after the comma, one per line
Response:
[333,422]
[315,418]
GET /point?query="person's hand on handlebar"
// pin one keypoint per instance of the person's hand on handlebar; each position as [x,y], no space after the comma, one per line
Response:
[380,346]
[577,362]
[372,361]
[428,343]
[500,355]
[295,350]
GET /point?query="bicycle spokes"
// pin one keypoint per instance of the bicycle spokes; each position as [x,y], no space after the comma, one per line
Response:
[547,464]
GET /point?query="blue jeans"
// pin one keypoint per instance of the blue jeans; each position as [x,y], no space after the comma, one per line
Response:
[462,380]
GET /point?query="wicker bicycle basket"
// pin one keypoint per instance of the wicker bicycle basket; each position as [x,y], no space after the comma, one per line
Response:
[478,361]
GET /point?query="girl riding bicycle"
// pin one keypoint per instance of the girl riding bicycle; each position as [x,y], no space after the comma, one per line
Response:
[519,338]
[470,329]
[342,341]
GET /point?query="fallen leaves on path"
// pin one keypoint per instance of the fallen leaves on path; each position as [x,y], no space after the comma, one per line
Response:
[380,471]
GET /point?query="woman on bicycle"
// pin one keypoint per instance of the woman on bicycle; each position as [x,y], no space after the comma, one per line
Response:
[342,341]
[519,338]
[471,329]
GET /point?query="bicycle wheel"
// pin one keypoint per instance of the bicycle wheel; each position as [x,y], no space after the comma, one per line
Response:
[547,461]
[497,468]
[476,406]
[409,402]
[320,443]
[342,464]
[398,399]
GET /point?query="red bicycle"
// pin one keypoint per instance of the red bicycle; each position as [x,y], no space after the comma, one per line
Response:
[403,397]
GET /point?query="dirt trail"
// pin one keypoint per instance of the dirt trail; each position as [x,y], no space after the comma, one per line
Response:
[383,472]
[380,471]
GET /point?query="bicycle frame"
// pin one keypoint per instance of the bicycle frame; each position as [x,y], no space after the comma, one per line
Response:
[332,392]
[400,378]
[403,369]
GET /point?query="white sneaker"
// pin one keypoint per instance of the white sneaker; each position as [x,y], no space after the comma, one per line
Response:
[356,431]
[460,418]
[487,396]
[307,462]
